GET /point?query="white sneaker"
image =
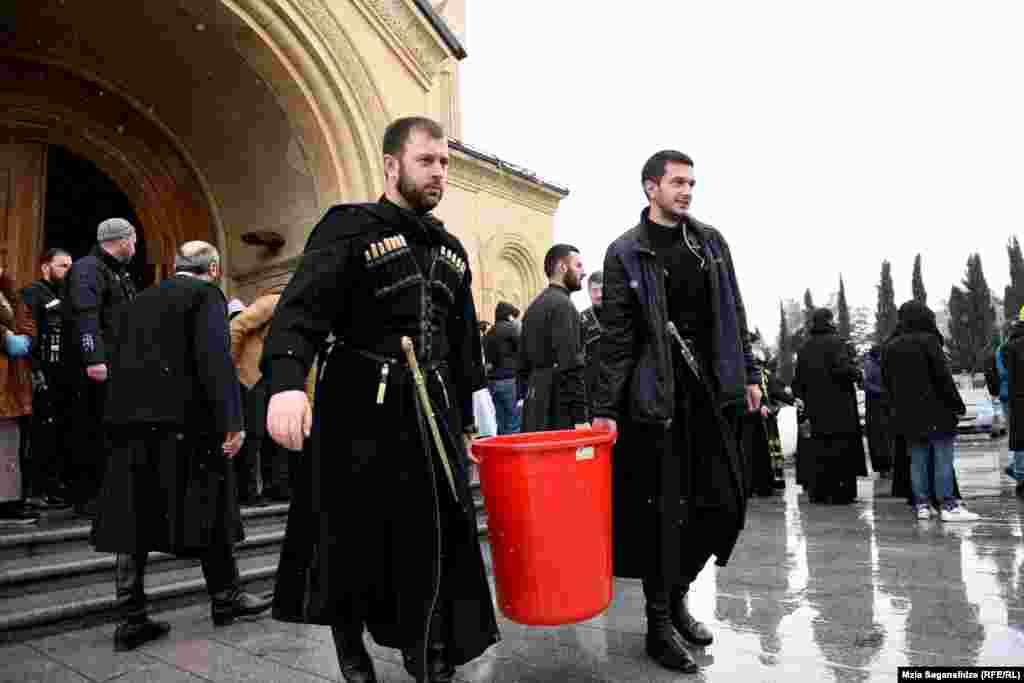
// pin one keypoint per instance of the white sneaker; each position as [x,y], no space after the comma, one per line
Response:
[959,514]
[923,511]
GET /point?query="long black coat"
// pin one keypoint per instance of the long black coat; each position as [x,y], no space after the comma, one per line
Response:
[173,395]
[638,387]
[551,363]
[1013,359]
[824,380]
[362,541]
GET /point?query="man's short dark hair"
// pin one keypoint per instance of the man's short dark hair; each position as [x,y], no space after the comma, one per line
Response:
[596,278]
[52,254]
[555,255]
[654,169]
[398,132]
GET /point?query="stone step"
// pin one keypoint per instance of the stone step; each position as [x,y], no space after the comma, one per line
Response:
[51,580]
[30,575]
[61,535]
[33,614]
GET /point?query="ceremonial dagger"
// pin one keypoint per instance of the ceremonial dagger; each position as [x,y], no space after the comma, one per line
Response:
[428,410]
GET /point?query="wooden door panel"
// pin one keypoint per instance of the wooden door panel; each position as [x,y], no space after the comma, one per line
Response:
[22,201]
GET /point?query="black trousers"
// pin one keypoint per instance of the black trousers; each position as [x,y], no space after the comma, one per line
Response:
[219,569]
[46,460]
[91,446]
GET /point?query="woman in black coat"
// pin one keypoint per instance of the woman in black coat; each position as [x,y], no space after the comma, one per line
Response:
[1013,359]
[925,404]
[824,381]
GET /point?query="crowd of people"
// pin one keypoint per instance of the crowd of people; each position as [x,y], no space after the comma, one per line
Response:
[58,337]
[356,385]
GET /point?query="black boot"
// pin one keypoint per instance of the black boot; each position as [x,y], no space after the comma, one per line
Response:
[693,631]
[130,635]
[664,644]
[226,606]
[135,627]
[438,668]
[353,659]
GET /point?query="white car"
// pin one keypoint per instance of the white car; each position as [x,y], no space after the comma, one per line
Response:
[981,407]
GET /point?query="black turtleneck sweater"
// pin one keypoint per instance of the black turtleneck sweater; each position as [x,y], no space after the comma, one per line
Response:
[686,283]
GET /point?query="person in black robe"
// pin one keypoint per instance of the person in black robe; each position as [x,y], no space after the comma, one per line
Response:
[677,374]
[590,331]
[825,381]
[174,414]
[411,573]
[551,366]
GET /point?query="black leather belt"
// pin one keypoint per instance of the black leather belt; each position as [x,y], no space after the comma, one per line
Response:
[401,361]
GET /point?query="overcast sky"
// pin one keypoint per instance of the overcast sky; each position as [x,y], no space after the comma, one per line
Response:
[826,136]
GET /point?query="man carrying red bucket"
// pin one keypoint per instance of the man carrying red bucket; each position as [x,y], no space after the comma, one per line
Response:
[676,374]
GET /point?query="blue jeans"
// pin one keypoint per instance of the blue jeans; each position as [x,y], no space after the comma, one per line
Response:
[933,453]
[503,391]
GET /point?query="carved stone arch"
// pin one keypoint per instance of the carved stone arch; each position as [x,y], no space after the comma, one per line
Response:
[56,104]
[517,278]
[330,99]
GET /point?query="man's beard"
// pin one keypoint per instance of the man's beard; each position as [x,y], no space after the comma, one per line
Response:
[418,200]
[573,282]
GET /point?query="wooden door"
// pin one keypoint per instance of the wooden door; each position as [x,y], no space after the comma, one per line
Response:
[22,200]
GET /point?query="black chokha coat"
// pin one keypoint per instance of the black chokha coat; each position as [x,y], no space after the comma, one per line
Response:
[371,508]
[173,395]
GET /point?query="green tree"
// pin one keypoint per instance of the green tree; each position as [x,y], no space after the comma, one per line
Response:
[1013,297]
[981,317]
[786,365]
[958,341]
[917,285]
[843,312]
[885,313]
[808,308]
[862,329]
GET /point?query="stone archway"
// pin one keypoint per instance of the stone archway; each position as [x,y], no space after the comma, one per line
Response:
[514,277]
[42,105]
[265,112]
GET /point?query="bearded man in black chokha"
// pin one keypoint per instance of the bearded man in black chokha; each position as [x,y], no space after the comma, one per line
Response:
[410,572]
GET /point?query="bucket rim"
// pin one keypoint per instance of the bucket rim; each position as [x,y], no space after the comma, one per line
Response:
[580,437]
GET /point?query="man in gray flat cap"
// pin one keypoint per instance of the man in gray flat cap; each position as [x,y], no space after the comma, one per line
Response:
[96,286]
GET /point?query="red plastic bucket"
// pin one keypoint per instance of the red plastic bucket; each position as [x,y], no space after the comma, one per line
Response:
[548,497]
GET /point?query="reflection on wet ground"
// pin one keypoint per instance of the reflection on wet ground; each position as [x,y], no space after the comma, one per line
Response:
[813,593]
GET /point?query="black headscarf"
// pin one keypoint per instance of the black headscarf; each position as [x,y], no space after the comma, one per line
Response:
[822,322]
[916,317]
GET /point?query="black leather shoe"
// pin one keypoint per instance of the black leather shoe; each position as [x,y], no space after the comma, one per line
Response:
[353,659]
[241,604]
[1019,490]
[664,644]
[693,631]
[130,635]
[438,669]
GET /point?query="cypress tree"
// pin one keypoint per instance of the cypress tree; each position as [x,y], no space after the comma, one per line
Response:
[981,317]
[917,286]
[885,313]
[843,312]
[786,366]
[958,340]
[808,308]
[1013,297]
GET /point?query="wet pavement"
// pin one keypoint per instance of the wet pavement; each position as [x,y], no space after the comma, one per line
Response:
[813,593]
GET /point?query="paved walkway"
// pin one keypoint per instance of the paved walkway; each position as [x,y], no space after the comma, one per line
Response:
[813,593]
